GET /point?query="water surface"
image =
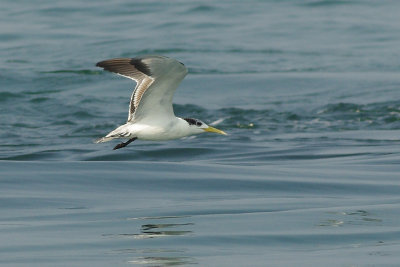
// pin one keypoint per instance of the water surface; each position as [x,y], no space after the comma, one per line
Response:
[308,175]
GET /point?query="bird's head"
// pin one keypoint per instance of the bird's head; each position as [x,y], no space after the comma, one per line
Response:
[197,126]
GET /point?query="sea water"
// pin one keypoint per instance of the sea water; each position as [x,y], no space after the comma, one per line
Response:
[309,92]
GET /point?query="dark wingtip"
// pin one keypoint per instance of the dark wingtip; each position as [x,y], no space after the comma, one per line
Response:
[115,63]
[100,64]
[140,66]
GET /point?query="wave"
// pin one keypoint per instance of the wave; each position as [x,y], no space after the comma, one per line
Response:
[328,3]
[82,72]
[5,96]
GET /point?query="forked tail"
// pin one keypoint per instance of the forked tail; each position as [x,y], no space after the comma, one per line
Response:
[108,138]
[104,139]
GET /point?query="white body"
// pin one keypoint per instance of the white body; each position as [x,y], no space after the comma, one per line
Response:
[154,130]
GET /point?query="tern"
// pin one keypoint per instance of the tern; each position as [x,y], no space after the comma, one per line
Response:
[151,115]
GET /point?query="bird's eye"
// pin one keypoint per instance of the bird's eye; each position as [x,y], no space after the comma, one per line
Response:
[198,123]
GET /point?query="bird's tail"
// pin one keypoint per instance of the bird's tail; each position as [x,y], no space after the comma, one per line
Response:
[103,139]
[120,132]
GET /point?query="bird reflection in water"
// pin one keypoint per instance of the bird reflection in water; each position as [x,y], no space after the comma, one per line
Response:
[158,256]
[154,230]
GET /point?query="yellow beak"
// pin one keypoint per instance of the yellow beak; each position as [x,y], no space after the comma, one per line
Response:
[214,130]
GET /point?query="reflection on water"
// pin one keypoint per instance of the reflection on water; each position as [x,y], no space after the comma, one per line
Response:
[160,227]
[358,217]
[147,251]
[157,230]
[163,261]
[159,217]
[157,257]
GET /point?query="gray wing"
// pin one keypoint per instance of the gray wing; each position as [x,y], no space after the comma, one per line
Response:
[156,77]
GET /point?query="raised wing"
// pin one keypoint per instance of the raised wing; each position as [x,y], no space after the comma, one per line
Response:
[132,69]
[157,78]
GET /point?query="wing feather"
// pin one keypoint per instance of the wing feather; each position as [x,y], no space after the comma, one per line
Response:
[156,78]
[132,69]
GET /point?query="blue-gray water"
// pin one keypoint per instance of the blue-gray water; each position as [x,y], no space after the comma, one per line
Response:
[309,92]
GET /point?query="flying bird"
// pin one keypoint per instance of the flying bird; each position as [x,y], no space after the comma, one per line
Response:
[151,115]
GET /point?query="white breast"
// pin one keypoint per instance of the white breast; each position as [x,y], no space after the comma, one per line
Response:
[160,130]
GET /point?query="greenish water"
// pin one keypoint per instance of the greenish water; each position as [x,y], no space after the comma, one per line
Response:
[307,90]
